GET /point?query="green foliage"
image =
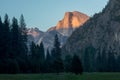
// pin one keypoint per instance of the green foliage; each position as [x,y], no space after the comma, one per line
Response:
[37,58]
[62,76]
[67,63]
[111,62]
[88,59]
[13,51]
[56,55]
[76,65]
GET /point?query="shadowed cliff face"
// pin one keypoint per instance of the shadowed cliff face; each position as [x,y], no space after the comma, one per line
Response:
[69,23]
[72,20]
[101,32]
[63,29]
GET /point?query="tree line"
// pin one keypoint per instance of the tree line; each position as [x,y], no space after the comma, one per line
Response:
[15,56]
[96,60]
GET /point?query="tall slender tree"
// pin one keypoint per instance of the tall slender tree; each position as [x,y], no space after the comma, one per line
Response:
[23,35]
[1,38]
[16,48]
[111,62]
[67,63]
[56,54]
[6,36]
[76,66]
[48,62]
[23,28]
[38,58]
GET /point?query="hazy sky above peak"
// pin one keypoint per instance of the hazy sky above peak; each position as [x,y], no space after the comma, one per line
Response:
[46,13]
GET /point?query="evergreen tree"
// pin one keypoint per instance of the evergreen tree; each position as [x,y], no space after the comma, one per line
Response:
[48,63]
[56,54]
[1,38]
[23,28]
[34,60]
[89,59]
[111,62]
[67,63]
[76,66]
[86,62]
[118,63]
[41,53]
[41,56]
[23,35]
[16,48]
[38,58]
[32,48]
[22,22]
[6,37]
[104,61]
[99,62]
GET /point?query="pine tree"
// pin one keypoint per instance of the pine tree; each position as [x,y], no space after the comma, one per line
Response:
[22,22]
[111,62]
[99,62]
[104,61]
[23,28]
[23,35]
[118,63]
[48,63]
[37,57]
[86,61]
[89,59]
[16,48]
[76,65]
[67,63]
[6,37]
[32,48]
[56,54]
[34,60]
[41,56]
[1,38]
[41,53]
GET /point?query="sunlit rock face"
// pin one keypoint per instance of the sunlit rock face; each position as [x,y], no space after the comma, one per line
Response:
[63,29]
[72,20]
[101,32]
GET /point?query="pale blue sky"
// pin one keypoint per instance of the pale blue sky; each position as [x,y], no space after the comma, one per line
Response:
[46,13]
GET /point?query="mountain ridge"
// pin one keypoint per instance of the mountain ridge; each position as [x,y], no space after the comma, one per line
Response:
[100,32]
[63,30]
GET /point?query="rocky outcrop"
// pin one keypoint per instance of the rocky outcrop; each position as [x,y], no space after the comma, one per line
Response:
[101,32]
[72,20]
[64,28]
[34,34]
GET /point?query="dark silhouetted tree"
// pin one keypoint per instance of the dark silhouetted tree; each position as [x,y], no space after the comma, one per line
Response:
[56,54]
[98,62]
[118,63]
[89,59]
[67,63]
[6,37]
[23,36]
[48,62]
[1,38]
[76,65]
[15,38]
[38,58]
[111,62]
